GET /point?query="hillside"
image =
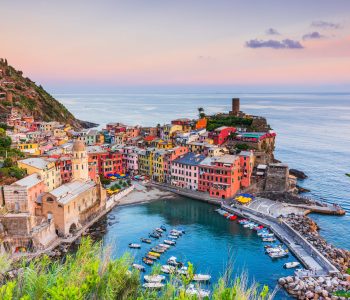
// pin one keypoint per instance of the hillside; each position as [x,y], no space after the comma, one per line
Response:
[31,99]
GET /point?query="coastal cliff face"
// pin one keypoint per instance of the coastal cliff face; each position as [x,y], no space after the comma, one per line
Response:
[30,99]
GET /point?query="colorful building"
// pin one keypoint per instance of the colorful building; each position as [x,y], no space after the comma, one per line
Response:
[185,171]
[29,148]
[220,135]
[220,176]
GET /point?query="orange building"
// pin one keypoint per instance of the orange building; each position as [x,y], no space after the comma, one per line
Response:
[201,123]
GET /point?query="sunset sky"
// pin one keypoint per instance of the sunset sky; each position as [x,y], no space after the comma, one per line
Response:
[94,45]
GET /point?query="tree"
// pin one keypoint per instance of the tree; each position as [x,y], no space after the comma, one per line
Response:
[8,163]
[5,142]
[2,132]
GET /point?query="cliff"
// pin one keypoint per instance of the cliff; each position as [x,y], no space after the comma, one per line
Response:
[30,99]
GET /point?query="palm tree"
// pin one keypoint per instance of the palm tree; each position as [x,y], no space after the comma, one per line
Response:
[201,113]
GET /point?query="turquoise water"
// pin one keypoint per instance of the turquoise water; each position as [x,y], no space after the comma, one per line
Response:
[209,243]
[313,133]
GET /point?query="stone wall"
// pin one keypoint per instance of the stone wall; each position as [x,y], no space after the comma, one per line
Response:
[277,178]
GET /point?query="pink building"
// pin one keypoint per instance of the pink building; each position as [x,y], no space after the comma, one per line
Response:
[185,171]
[21,196]
[130,159]
[246,164]
[170,156]
[221,134]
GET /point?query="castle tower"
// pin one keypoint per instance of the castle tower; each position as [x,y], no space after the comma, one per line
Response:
[235,107]
[80,167]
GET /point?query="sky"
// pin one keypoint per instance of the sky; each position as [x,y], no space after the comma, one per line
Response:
[110,45]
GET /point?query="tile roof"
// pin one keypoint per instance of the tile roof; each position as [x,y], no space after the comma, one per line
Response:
[67,192]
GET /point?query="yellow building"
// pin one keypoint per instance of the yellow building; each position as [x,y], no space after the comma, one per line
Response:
[158,172]
[168,131]
[164,144]
[145,161]
[29,148]
[46,168]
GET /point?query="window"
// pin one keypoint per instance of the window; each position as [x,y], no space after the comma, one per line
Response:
[49,199]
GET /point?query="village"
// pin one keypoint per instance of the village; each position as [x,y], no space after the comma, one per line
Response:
[70,175]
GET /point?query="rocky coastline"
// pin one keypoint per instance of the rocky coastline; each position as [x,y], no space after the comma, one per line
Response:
[318,287]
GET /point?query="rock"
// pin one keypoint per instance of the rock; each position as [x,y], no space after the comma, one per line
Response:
[289,279]
[298,174]
[318,289]
[324,293]
[281,281]
[320,279]
[309,294]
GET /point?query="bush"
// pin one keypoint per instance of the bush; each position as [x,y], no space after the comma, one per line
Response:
[5,142]
[242,147]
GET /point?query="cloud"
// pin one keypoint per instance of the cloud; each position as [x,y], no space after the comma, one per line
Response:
[274,44]
[313,36]
[272,31]
[325,25]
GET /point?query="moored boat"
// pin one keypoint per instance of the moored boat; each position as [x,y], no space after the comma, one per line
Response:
[279,254]
[147,241]
[290,265]
[147,261]
[153,285]
[172,261]
[134,246]
[173,237]
[164,246]
[138,267]
[154,278]
[149,256]
[157,250]
[153,235]
[163,227]
[201,277]
[170,242]
[269,239]
[167,269]
[154,254]
[195,291]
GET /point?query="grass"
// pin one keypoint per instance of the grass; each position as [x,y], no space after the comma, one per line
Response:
[91,274]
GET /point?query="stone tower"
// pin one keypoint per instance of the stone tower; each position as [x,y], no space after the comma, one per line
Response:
[80,167]
[235,107]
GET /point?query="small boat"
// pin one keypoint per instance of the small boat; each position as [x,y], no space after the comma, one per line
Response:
[201,277]
[176,232]
[258,228]
[147,241]
[111,217]
[153,285]
[274,249]
[154,278]
[158,250]
[164,246]
[149,256]
[279,254]
[156,254]
[226,214]
[159,230]
[269,239]
[263,231]
[153,235]
[147,261]
[232,218]
[163,228]
[134,246]
[167,269]
[194,291]
[243,221]
[290,265]
[138,267]
[169,242]
[172,261]
[173,237]
[264,235]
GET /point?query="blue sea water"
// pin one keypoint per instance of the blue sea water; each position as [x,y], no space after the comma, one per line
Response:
[313,136]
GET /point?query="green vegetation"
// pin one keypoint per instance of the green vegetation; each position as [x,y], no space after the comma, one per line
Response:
[92,274]
[345,294]
[105,181]
[218,121]
[201,113]
[242,147]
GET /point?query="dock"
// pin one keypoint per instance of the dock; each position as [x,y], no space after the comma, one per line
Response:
[310,257]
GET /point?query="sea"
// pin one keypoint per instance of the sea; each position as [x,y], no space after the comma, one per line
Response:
[313,135]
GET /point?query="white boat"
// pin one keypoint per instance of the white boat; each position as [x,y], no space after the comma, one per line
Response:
[134,246]
[138,267]
[194,291]
[169,242]
[269,239]
[164,246]
[173,236]
[167,269]
[261,232]
[154,278]
[201,277]
[274,249]
[172,261]
[264,235]
[280,254]
[153,285]
[290,265]
[176,232]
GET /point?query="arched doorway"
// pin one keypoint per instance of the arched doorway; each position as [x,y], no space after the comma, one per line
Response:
[73,228]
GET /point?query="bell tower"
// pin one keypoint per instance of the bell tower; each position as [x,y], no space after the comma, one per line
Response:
[80,167]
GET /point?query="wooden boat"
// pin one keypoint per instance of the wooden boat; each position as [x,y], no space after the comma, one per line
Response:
[138,267]
[134,246]
[154,278]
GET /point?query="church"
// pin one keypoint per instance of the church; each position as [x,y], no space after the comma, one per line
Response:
[73,204]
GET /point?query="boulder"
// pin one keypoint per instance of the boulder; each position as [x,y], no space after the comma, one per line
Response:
[281,281]
[289,279]
[309,294]
[324,293]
